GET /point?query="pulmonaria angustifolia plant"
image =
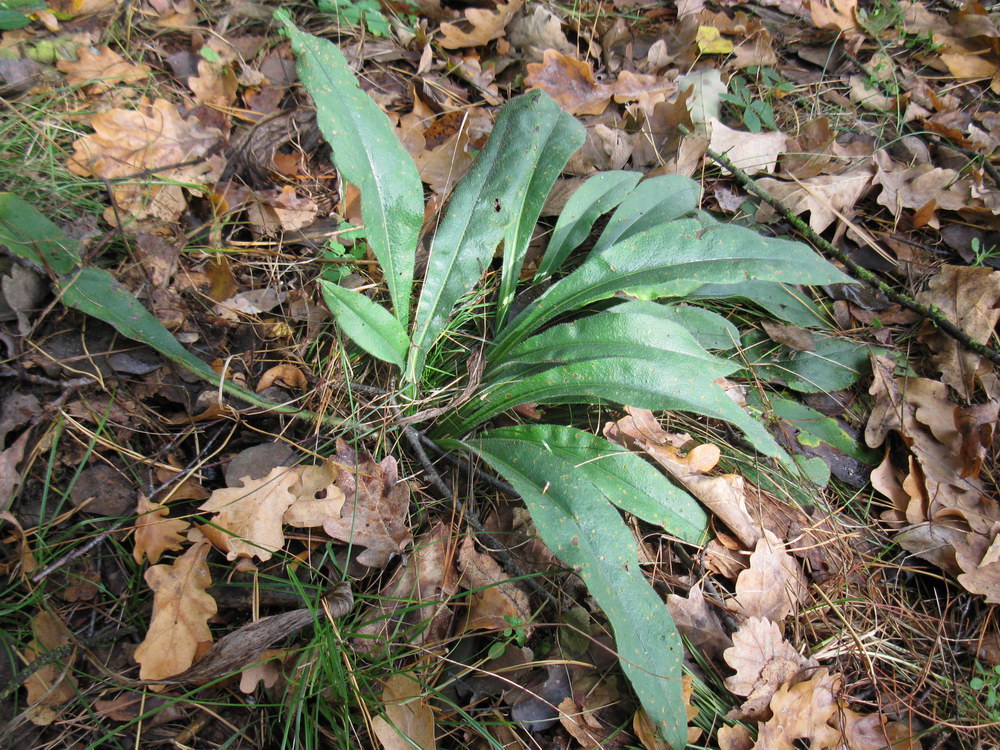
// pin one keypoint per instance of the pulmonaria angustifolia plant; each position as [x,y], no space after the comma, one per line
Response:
[607,331]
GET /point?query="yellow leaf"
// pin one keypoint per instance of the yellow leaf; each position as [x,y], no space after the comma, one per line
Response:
[711,42]
[181,608]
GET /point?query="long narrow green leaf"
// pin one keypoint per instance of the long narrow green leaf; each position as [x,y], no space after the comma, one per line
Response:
[594,198]
[547,466]
[27,233]
[561,135]
[484,205]
[370,325]
[780,300]
[628,359]
[655,201]
[369,155]
[671,260]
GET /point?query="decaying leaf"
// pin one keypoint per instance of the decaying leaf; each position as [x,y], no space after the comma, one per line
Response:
[181,608]
[571,83]
[53,684]
[155,150]
[105,68]
[498,602]
[803,712]
[823,196]
[752,152]
[968,297]
[698,623]
[154,532]
[408,720]
[374,515]
[773,586]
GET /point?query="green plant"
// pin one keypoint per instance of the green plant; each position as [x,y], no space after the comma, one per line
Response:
[14,13]
[983,256]
[988,680]
[358,12]
[755,107]
[597,335]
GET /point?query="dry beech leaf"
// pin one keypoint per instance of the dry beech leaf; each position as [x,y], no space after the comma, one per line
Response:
[285,375]
[154,532]
[791,336]
[181,608]
[252,514]
[968,297]
[752,152]
[969,66]
[763,661]
[154,138]
[106,69]
[409,720]
[571,83]
[498,600]
[53,684]
[823,196]
[873,731]
[774,584]
[486,26]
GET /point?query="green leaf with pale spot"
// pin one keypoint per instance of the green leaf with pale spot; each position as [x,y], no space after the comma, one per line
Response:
[553,470]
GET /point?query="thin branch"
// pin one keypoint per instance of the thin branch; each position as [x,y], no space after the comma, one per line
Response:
[931,313]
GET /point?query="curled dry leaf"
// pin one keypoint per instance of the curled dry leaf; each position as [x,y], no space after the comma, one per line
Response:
[181,608]
[571,83]
[153,138]
[774,584]
[52,684]
[763,661]
[154,532]
[802,712]
[408,720]
[106,69]
[485,26]
[317,497]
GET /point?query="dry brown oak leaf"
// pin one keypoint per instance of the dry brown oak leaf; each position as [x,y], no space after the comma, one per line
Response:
[486,26]
[181,608]
[127,145]
[968,297]
[106,69]
[774,584]
[571,83]
[53,684]
[154,532]
[410,720]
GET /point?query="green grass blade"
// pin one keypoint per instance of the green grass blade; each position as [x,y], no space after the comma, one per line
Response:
[369,155]
[575,519]
[594,198]
[485,204]
[671,260]
[370,325]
